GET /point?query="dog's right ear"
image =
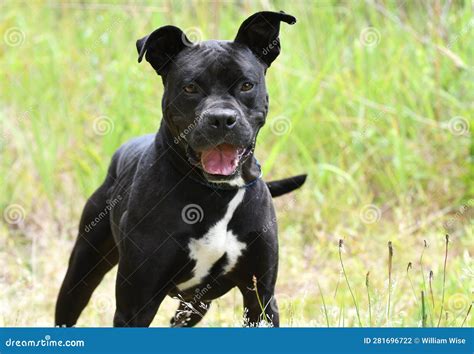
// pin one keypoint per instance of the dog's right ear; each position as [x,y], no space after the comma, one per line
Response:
[161,46]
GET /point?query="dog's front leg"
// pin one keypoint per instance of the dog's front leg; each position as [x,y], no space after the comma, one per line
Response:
[139,292]
[144,278]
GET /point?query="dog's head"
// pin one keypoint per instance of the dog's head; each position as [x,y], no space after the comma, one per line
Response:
[215,99]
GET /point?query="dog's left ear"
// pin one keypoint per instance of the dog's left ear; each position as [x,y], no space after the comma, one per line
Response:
[260,33]
[161,46]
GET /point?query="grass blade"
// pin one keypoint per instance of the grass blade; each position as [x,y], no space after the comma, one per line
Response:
[425,246]
[444,279]
[341,243]
[411,282]
[324,304]
[431,289]
[368,297]
[390,259]
[423,310]
[467,315]
[260,304]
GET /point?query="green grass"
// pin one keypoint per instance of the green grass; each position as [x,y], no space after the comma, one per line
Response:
[382,123]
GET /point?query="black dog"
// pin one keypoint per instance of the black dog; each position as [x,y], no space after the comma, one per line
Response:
[185,213]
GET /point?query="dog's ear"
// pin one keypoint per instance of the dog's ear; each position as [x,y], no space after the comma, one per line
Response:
[260,33]
[161,46]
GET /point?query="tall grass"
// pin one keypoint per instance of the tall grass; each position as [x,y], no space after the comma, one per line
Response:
[444,279]
[409,266]
[341,244]
[368,297]
[324,306]
[390,265]
[423,309]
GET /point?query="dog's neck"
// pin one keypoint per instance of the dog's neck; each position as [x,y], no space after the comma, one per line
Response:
[175,149]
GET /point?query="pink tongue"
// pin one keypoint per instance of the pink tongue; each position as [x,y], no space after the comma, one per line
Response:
[222,160]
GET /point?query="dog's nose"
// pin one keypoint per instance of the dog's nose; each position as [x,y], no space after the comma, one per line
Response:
[224,119]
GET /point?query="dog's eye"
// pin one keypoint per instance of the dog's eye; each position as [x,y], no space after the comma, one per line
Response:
[246,86]
[191,88]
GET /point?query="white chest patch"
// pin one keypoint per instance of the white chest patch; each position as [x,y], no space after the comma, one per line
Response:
[206,251]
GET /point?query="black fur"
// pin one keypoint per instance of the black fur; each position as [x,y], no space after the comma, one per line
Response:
[135,219]
[283,186]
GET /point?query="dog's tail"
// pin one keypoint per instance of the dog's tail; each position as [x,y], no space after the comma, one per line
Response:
[286,185]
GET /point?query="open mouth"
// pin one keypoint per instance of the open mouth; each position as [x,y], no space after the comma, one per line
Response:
[221,160]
